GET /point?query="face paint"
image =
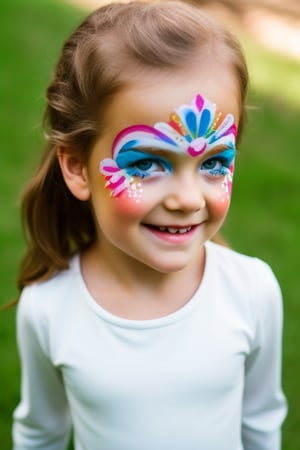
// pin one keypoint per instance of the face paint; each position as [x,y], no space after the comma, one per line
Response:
[135,191]
[220,164]
[193,129]
[129,164]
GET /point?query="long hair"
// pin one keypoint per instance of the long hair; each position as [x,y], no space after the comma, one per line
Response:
[115,45]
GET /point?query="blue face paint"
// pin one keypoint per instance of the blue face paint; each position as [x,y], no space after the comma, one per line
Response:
[219,164]
[142,164]
[194,129]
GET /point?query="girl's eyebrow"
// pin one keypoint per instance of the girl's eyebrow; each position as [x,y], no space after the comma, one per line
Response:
[154,150]
[160,151]
[218,149]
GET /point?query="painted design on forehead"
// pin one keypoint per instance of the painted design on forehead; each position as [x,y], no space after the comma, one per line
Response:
[193,128]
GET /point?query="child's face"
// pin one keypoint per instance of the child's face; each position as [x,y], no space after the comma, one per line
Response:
[156,200]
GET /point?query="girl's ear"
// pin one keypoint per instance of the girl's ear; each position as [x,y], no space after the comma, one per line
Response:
[74,173]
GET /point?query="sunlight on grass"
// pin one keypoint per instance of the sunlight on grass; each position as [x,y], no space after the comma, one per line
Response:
[272,73]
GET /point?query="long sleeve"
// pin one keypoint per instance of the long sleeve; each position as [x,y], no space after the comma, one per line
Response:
[42,419]
[189,365]
[264,405]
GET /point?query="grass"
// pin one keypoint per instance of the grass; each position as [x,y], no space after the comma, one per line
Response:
[265,212]
[265,215]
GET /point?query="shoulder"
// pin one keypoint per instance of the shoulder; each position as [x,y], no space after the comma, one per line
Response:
[246,278]
[49,291]
[238,265]
[48,301]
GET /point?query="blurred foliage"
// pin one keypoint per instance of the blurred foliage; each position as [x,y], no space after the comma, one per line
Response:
[264,216]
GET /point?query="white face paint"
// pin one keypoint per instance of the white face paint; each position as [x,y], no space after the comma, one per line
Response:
[194,129]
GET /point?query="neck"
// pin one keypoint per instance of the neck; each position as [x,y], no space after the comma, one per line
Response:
[137,291]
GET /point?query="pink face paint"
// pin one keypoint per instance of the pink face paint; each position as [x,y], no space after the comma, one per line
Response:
[220,207]
[193,129]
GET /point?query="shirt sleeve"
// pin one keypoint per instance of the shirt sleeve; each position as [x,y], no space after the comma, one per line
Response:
[264,404]
[42,419]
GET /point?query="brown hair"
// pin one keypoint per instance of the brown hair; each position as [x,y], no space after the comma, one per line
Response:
[113,46]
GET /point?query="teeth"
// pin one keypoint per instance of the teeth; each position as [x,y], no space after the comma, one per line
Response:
[184,230]
[175,230]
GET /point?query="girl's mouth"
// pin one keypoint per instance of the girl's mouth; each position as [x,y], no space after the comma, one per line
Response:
[173,234]
[171,229]
[174,230]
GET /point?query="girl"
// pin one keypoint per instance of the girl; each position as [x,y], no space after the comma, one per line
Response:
[134,328]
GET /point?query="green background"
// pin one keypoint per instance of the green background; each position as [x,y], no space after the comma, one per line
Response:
[264,216]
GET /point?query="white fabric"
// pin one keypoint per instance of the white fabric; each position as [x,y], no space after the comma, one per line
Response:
[206,377]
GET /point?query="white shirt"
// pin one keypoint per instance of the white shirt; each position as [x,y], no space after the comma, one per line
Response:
[206,377]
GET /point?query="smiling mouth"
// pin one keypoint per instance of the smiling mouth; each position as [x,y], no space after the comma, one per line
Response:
[172,230]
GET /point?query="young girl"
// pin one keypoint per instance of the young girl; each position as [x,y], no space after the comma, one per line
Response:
[134,328]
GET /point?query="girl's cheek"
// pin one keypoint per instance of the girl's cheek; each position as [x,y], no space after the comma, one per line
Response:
[221,205]
[220,199]
[128,204]
[224,196]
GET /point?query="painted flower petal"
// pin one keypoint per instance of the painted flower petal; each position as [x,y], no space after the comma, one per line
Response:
[205,122]
[191,122]
[225,126]
[117,179]
[108,166]
[199,102]
[180,141]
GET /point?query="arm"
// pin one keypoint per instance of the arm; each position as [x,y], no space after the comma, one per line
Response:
[42,420]
[264,404]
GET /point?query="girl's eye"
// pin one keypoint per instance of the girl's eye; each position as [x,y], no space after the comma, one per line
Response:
[145,164]
[214,166]
[218,165]
[137,163]
[145,167]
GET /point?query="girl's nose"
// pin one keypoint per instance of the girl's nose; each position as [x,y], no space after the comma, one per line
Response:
[186,194]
